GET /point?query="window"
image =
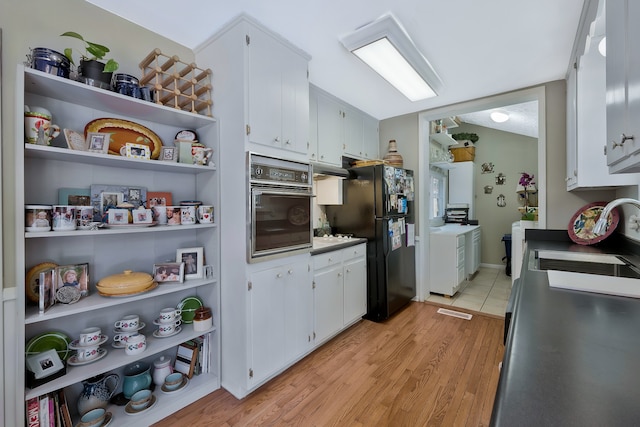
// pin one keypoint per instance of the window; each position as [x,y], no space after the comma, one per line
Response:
[438,182]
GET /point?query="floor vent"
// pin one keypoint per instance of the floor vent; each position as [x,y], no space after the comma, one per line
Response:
[455,313]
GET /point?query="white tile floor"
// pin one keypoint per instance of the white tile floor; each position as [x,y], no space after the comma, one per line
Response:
[487,292]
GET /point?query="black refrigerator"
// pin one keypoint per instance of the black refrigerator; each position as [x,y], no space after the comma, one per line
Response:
[378,204]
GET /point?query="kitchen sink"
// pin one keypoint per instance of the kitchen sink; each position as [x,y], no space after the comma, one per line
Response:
[590,272]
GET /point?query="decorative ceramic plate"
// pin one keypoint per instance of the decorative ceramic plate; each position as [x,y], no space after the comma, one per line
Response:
[33,277]
[582,222]
[47,341]
[188,307]
[123,131]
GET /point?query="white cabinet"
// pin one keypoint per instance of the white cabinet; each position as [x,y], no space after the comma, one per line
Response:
[623,86]
[43,170]
[278,92]
[281,310]
[340,130]
[340,290]
[462,186]
[447,260]
[473,252]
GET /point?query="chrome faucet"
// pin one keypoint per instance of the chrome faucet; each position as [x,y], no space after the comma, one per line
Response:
[601,225]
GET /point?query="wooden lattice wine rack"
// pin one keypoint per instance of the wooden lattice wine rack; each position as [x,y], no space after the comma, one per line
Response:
[176,83]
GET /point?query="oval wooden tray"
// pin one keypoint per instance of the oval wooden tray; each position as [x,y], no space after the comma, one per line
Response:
[123,131]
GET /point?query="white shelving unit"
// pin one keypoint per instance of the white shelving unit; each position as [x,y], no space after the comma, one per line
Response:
[42,170]
[443,139]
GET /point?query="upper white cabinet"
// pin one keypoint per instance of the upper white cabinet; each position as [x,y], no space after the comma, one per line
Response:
[278,92]
[623,86]
[340,130]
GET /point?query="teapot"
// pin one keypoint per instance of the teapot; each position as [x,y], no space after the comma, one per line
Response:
[96,393]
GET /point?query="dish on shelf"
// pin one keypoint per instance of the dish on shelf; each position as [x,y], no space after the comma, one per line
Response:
[123,131]
[189,305]
[158,322]
[151,224]
[73,360]
[75,344]
[183,384]
[140,326]
[48,341]
[582,222]
[125,284]
[33,278]
[176,331]
[108,417]
[129,294]
[129,409]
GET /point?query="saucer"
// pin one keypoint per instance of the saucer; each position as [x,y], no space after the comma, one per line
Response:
[75,344]
[73,360]
[183,384]
[120,331]
[158,322]
[175,332]
[129,410]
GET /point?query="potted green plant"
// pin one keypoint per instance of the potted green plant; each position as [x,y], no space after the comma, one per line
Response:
[91,66]
[462,137]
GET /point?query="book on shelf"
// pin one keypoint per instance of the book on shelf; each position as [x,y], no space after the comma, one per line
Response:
[44,410]
[33,412]
[186,358]
[65,415]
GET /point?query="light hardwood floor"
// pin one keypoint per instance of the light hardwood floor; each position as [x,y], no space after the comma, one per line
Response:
[419,368]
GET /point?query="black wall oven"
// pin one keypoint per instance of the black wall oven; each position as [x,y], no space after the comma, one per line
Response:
[280,207]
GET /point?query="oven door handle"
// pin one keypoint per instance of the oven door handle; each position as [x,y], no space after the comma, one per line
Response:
[282,193]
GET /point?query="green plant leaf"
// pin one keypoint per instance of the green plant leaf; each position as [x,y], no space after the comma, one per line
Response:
[68,52]
[72,34]
[111,66]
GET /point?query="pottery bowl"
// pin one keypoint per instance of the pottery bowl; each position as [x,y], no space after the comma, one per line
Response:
[173,381]
[141,399]
[93,418]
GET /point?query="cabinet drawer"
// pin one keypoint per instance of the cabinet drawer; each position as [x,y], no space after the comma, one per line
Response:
[460,241]
[327,259]
[354,252]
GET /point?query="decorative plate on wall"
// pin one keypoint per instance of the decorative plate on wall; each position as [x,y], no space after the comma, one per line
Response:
[582,222]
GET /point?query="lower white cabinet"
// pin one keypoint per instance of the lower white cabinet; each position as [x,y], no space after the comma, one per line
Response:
[472,252]
[447,269]
[339,290]
[281,307]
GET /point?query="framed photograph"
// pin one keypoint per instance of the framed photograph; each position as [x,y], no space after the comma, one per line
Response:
[74,196]
[75,275]
[110,200]
[46,290]
[159,198]
[137,151]
[45,363]
[169,154]
[98,142]
[142,216]
[169,272]
[75,140]
[118,216]
[135,195]
[193,259]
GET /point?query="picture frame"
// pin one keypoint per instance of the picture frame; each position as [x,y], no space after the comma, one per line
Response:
[142,216]
[169,272]
[133,194]
[137,151]
[76,275]
[159,198]
[169,154]
[118,217]
[75,140]
[109,200]
[46,290]
[74,196]
[45,363]
[98,142]
[193,259]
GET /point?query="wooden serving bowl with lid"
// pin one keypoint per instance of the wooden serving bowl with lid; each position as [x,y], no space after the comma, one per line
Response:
[126,283]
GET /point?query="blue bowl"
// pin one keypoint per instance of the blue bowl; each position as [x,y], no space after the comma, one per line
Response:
[50,61]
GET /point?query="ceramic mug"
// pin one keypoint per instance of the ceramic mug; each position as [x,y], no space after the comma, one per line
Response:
[168,328]
[160,214]
[173,215]
[128,323]
[84,217]
[136,344]
[64,218]
[90,336]
[87,353]
[187,215]
[168,315]
[205,214]
[38,128]
[37,217]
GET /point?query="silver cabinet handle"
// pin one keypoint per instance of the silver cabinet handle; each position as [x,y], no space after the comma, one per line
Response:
[277,139]
[623,138]
[290,271]
[279,275]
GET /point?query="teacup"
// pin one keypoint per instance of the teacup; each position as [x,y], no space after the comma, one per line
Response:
[128,323]
[123,337]
[93,418]
[38,128]
[168,328]
[90,336]
[140,399]
[169,314]
[173,381]
[205,214]
[187,215]
[87,353]
[136,344]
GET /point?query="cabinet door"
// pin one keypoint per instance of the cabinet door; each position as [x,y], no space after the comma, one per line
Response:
[355,289]
[313,126]
[572,138]
[370,138]
[267,338]
[353,131]
[295,102]
[298,309]
[328,302]
[329,130]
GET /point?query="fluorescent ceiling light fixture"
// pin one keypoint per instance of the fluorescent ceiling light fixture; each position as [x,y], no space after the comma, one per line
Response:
[602,47]
[387,48]
[499,116]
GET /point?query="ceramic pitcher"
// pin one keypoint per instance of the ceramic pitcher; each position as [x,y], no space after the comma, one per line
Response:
[96,393]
